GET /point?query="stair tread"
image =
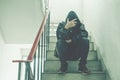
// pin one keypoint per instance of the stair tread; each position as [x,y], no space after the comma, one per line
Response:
[75,72]
[53,66]
[73,76]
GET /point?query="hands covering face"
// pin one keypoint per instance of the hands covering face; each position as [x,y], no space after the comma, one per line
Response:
[71,23]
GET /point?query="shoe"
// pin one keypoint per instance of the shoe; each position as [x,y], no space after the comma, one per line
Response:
[61,72]
[63,68]
[83,69]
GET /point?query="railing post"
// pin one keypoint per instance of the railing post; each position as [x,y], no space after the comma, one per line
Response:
[19,70]
[38,58]
[34,66]
[26,74]
[29,71]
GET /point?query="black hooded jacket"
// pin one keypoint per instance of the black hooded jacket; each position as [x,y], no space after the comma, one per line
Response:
[75,33]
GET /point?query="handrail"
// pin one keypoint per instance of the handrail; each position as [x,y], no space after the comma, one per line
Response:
[36,41]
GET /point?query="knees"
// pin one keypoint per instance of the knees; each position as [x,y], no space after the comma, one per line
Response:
[83,43]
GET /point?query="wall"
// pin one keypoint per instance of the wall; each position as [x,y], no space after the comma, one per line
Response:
[102,18]
[60,8]
[9,52]
[8,69]
[1,47]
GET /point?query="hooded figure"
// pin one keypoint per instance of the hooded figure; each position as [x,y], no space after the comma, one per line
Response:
[72,42]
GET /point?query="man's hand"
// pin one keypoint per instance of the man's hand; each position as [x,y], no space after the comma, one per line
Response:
[70,24]
[68,41]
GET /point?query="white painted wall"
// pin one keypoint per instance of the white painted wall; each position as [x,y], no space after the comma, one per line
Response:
[1,40]
[102,17]
[1,46]
[9,52]
[8,69]
[60,8]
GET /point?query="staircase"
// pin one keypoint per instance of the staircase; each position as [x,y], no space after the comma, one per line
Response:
[52,64]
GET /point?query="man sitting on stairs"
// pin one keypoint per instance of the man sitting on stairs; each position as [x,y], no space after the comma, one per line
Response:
[72,43]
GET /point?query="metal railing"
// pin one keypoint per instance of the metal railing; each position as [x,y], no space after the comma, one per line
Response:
[32,68]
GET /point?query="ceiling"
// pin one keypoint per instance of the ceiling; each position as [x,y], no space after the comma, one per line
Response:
[20,20]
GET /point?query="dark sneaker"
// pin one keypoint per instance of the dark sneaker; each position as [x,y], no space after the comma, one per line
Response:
[63,68]
[61,72]
[83,69]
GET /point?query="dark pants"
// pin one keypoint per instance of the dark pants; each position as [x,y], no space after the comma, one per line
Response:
[73,51]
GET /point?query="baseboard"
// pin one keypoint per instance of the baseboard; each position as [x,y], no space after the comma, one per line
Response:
[104,68]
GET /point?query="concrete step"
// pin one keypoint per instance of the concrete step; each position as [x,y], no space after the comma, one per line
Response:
[92,55]
[53,66]
[73,76]
[53,44]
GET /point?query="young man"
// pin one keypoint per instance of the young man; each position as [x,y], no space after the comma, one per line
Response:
[72,42]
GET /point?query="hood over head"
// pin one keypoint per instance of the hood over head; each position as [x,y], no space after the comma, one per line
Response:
[72,15]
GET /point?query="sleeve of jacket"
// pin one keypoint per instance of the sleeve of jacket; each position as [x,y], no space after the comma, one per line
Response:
[84,32]
[62,33]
